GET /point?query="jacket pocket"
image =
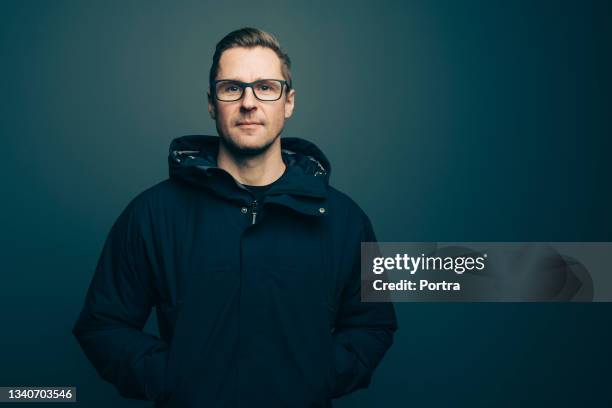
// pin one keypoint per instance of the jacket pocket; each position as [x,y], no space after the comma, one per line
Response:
[155,366]
[160,374]
[330,378]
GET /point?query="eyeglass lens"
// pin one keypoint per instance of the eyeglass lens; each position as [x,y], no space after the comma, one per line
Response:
[267,90]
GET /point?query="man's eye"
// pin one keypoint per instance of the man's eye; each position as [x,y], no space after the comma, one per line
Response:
[231,88]
[264,87]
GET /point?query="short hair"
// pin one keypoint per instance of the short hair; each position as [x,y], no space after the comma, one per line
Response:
[249,37]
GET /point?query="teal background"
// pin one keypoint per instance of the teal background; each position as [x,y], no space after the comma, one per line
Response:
[445,120]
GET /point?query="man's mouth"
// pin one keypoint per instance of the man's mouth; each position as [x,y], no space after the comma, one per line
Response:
[248,123]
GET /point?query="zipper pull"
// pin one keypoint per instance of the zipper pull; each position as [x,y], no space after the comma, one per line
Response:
[253,212]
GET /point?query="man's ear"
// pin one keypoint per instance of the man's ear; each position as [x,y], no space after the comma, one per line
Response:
[211,107]
[289,103]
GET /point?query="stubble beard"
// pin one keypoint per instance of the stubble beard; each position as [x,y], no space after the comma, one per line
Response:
[246,151]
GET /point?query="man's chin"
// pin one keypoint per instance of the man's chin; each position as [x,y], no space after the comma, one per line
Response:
[240,148]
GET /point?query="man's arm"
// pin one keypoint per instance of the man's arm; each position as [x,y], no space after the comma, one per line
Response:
[117,306]
[363,331]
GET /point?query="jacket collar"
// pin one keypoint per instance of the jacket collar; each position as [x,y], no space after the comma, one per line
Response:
[303,187]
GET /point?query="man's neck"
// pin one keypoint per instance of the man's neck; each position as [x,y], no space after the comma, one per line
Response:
[258,170]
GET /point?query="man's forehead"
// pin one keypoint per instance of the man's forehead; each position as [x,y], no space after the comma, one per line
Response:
[249,64]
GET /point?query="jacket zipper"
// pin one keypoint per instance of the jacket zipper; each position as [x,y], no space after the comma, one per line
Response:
[254,211]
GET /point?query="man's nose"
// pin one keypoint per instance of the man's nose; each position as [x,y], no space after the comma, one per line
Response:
[248,100]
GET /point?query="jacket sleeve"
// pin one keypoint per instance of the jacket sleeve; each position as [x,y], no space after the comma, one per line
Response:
[117,305]
[363,330]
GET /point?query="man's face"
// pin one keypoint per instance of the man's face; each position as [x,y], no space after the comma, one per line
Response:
[250,126]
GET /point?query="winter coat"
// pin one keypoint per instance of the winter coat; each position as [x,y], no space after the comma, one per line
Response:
[257,303]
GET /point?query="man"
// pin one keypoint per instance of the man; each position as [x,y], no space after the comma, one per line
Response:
[250,258]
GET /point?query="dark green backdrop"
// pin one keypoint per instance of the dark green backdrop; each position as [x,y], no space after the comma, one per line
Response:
[444,120]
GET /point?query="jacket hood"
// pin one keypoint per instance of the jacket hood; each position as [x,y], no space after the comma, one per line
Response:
[193,159]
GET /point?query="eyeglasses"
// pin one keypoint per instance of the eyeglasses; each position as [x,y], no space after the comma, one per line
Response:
[264,89]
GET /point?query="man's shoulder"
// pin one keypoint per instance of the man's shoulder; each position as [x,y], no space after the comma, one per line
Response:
[157,191]
[158,197]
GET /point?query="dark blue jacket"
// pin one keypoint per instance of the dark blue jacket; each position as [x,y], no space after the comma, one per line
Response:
[258,303]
